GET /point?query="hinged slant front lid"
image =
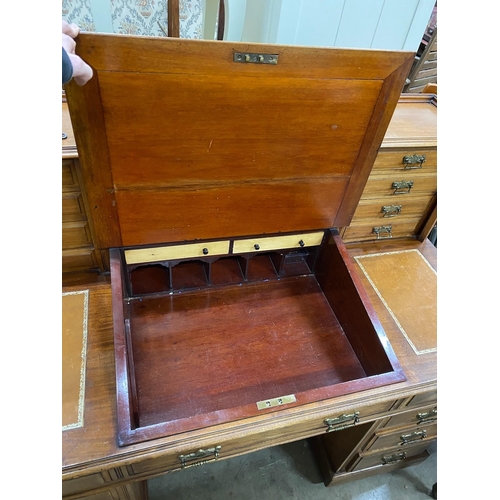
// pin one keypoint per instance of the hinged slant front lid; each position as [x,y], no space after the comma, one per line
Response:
[188,139]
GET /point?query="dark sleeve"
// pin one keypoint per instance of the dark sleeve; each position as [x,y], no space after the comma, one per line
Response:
[67,67]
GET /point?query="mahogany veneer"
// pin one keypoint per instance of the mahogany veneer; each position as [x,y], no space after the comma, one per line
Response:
[207,352]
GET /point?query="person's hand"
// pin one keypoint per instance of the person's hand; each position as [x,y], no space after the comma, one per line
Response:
[82,72]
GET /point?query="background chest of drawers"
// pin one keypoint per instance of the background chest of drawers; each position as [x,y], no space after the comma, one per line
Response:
[400,197]
[78,252]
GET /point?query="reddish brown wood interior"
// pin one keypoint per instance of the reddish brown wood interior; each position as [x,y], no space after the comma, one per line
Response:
[207,340]
[207,351]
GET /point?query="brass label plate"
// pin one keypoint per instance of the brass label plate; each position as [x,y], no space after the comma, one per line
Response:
[270,403]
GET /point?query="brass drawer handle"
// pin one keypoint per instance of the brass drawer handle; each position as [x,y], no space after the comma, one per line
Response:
[392,459]
[381,230]
[427,417]
[199,454]
[342,422]
[391,210]
[402,187]
[413,437]
[413,161]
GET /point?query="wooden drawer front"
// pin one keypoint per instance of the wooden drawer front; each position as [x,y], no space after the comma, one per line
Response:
[223,448]
[403,437]
[405,160]
[69,177]
[389,210]
[81,484]
[364,414]
[73,208]
[390,458]
[79,259]
[195,250]
[250,443]
[393,229]
[278,242]
[75,234]
[125,491]
[423,399]
[382,185]
[418,417]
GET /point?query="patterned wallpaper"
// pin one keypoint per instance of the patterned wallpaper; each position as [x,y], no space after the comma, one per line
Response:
[138,17]
[78,11]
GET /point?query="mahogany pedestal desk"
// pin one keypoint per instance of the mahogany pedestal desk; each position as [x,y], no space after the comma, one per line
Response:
[381,414]
[94,467]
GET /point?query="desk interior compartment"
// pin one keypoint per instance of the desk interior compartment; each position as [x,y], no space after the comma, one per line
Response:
[248,334]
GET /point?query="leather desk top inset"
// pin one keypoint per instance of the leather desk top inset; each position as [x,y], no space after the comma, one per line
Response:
[74,354]
[407,285]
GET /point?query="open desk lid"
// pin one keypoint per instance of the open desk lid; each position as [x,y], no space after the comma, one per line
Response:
[191,139]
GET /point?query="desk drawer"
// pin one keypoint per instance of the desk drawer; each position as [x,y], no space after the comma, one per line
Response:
[406,160]
[76,234]
[423,399]
[407,185]
[232,446]
[391,458]
[73,208]
[79,259]
[278,242]
[377,229]
[176,252]
[403,438]
[389,209]
[69,176]
[418,417]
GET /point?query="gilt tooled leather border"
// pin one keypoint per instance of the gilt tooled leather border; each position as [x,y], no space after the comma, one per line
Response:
[81,396]
[391,312]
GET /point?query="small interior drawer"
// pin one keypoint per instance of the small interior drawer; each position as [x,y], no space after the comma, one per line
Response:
[406,160]
[276,242]
[176,252]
